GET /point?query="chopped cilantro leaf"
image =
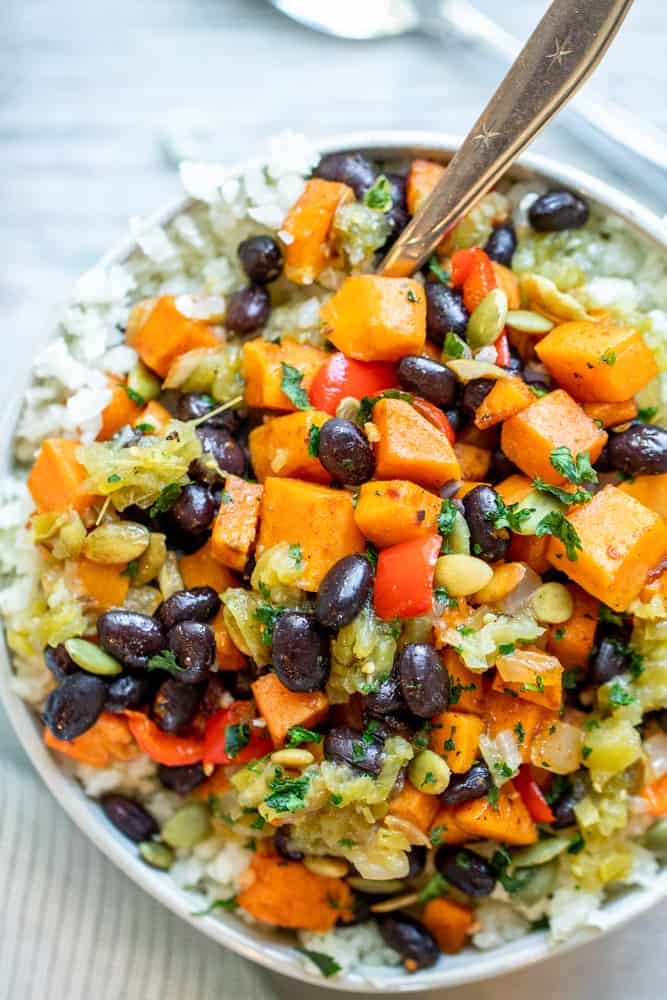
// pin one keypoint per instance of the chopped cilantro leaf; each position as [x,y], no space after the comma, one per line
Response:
[164,660]
[577,843]
[236,738]
[555,524]
[267,615]
[131,569]
[435,268]
[559,633]
[290,383]
[378,197]
[287,794]
[492,797]
[167,498]
[296,735]
[411,297]
[608,357]
[368,402]
[295,554]
[325,963]
[508,517]
[314,441]
[646,413]
[228,905]
[577,470]
[134,396]
[619,695]
[506,648]
[520,734]
[609,617]
[436,835]
[453,346]
[436,886]
[579,496]
[371,554]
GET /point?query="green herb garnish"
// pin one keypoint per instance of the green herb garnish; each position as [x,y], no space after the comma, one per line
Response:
[290,383]
[296,735]
[557,525]
[167,498]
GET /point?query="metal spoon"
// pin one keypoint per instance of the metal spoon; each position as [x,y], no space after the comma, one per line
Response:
[562,52]
[612,133]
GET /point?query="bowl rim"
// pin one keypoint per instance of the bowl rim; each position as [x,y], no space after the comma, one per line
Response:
[248,940]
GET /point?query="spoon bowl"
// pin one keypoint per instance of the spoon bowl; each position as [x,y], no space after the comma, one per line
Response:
[352,19]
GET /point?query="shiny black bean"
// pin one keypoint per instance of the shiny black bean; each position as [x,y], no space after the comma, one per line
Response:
[130,636]
[214,696]
[641,450]
[300,651]
[535,373]
[248,309]
[198,604]
[176,704]
[261,259]
[395,724]
[397,216]
[352,169]
[486,541]
[128,691]
[413,942]
[281,842]
[75,705]
[661,719]
[608,662]
[343,591]
[424,681]
[466,787]
[194,510]
[416,861]
[428,378]
[238,682]
[475,393]
[350,746]
[501,244]
[193,645]
[445,311]
[455,417]
[387,699]
[219,444]
[345,452]
[59,662]
[183,779]
[195,405]
[558,210]
[500,467]
[129,817]
[563,807]
[466,871]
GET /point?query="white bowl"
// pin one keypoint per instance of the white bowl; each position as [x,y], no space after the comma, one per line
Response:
[266,947]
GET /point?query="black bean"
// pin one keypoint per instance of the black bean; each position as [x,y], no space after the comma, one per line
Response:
[281,842]
[563,807]
[194,510]
[501,244]
[413,942]
[475,393]
[59,662]
[480,505]
[261,259]
[661,719]
[238,682]
[641,450]
[424,681]
[195,405]
[193,645]
[176,704]
[75,705]
[416,861]
[397,216]
[219,444]
[535,373]
[130,636]
[501,467]
[558,210]
[345,452]
[466,871]
[455,418]
[128,691]
[183,779]
[300,650]
[248,310]
[350,746]
[609,661]
[395,724]
[352,169]
[428,378]
[387,699]
[466,787]
[129,817]
[198,604]
[445,312]
[214,696]
[343,591]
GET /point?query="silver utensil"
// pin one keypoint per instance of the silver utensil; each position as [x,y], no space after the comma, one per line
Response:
[637,146]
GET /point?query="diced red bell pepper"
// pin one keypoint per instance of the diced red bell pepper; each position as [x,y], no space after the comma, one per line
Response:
[404,578]
[435,416]
[231,738]
[473,269]
[502,346]
[532,796]
[165,748]
[340,376]
[461,263]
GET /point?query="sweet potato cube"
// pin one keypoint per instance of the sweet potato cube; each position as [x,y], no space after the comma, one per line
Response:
[228,655]
[202,569]
[107,741]
[410,447]
[287,894]
[531,550]
[455,736]
[57,477]
[309,222]
[422,178]
[168,333]
[373,318]
[508,281]
[621,541]
[235,525]
[504,713]
[414,806]
[514,489]
[572,642]
[103,586]
[281,708]
[466,689]
[153,415]
[448,922]
[508,396]
[282,447]
[263,371]
[532,675]
[121,410]
[611,414]
[319,519]
[445,829]
[396,511]
[474,462]
[553,421]
[507,820]
[649,490]
[597,362]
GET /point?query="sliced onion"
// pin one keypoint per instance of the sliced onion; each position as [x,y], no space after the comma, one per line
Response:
[501,755]
[184,365]
[522,593]
[656,751]
[557,747]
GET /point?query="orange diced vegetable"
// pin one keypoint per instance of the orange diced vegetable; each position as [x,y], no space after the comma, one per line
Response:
[553,421]
[121,410]
[422,178]
[410,447]
[282,447]
[474,462]
[107,741]
[286,894]
[153,415]
[167,333]
[656,796]
[374,318]
[396,511]
[611,414]
[229,657]
[309,224]
[466,689]
[531,674]
[649,490]
[508,281]
[235,525]
[508,396]
[281,708]
[597,362]
[455,736]
[448,922]
[319,519]
[202,569]
[467,487]
[572,642]
[505,713]
[263,371]
[414,806]
[56,480]
[104,585]
[507,820]
[445,829]
[215,785]
[621,540]
[514,489]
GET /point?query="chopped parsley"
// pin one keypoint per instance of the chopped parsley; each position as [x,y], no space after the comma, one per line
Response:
[503,769]
[558,787]
[537,686]
[555,524]
[236,738]
[436,835]
[267,616]
[165,660]
[368,402]
[506,648]
[586,752]
[226,497]
[429,779]
[378,197]
[609,617]
[314,441]
[645,414]
[501,862]
[297,735]
[577,470]
[608,357]
[559,633]
[619,695]
[520,734]
[290,383]
[228,905]
[579,496]
[347,842]
[371,554]
[570,679]
[577,843]
[258,823]
[335,799]
[446,517]
[131,569]
[453,346]
[145,428]
[440,594]
[411,297]
[436,886]
[167,498]
[492,797]
[508,517]
[295,554]
[287,794]
[327,965]
[435,268]
[134,396]
[456,689]
[591,724]
[113,478]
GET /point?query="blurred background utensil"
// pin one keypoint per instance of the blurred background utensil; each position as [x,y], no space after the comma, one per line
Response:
[638,146]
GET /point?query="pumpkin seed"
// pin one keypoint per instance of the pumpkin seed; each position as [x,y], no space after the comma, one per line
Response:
[156,854]
[539,853]
[144,599]
[429,773]
[91,658]
[152,560]
[187,827]
[142,381]
[462,575]
[544,296]
[116,542]
[348,408]
[552,603]
[375,887]
[458,539]
[527,321]
[467,369]
[169,576]
[410,831]
[327,867]
[487,321]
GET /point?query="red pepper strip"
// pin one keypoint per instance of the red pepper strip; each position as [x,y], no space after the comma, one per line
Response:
[340,376]
[502,347]
[656,796]
[165,748]
[461,263]
[532,796]
[473,269]
[404,577]
[231,728]
[435,416]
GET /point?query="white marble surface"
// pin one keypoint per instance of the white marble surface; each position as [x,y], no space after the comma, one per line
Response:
[88,91]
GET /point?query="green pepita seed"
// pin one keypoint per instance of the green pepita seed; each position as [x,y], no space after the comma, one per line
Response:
[487,321]
[152,560]
[539,853]
[142,381]
[527,321]
[91,658]
[156,855]
[187,827]
[467,369]
[429,773]
[116,542]
[458,539]
[454,347]
[656,838]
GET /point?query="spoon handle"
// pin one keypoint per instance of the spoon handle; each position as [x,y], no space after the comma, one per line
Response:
[561,53]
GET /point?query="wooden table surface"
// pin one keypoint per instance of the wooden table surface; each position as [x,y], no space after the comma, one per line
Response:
[92,93]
